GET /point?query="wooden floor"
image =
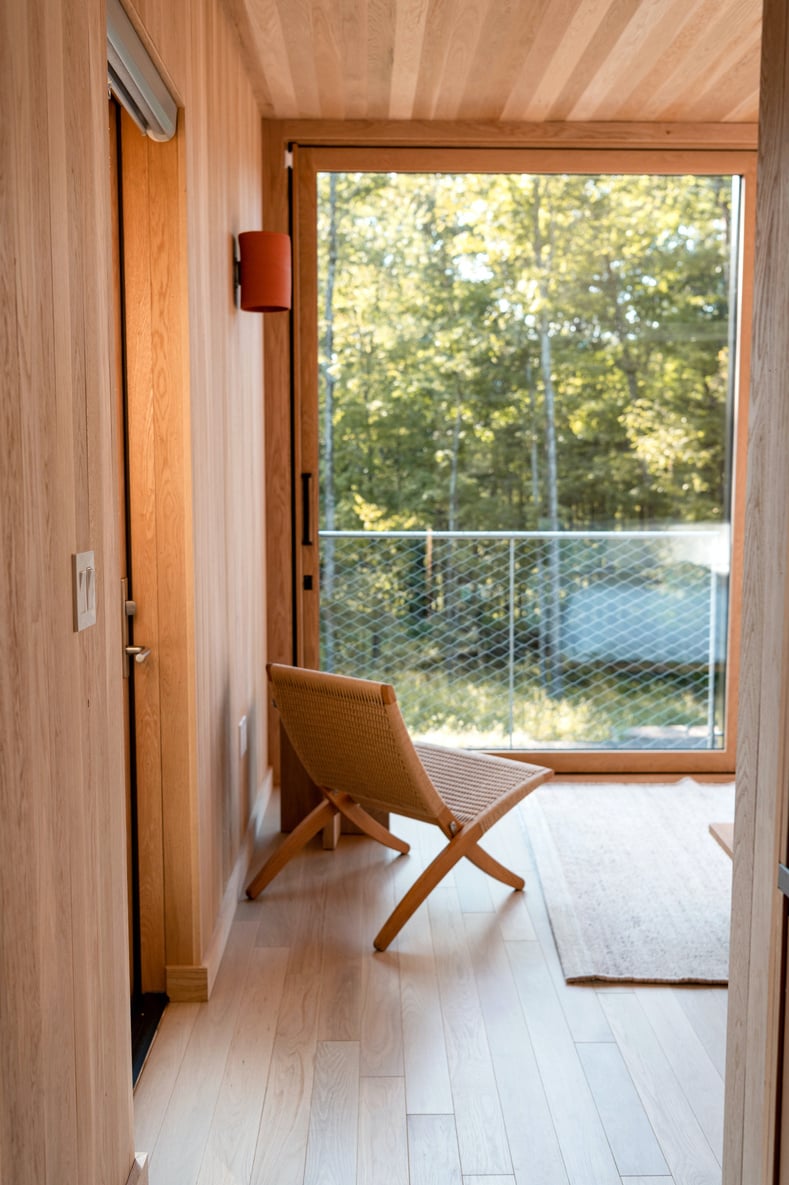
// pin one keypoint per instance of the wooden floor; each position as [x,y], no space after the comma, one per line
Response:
[457,1057]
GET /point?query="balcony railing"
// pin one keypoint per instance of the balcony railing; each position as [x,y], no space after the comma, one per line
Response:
[536,639]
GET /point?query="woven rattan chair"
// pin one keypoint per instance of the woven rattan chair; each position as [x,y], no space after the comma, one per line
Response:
[352,741]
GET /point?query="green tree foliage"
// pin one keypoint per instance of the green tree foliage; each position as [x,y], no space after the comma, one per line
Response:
[461,303]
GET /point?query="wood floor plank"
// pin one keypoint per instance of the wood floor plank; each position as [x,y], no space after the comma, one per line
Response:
[585,1149]
[479,994]
[482,1136]
[277,907]
[381,1043]
[341,988]
[505,842]
[425,1063]
[230,1150]
[534,1147]
[334,1115]
[473,888]
[633,1143]
[284,1123]
[383,1140]
[580,1005]
[688,1154]
[701,1083]
[489,1180]
[155,1086]
[381,1038]
[647,1181]
[706,1008]
[433,1154]
[178,1151]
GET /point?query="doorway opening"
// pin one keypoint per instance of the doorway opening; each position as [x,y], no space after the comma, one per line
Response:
[147,997]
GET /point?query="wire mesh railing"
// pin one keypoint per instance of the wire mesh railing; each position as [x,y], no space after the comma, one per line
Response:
[536,639]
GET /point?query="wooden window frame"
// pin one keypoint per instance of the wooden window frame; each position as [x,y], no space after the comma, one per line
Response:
[291,390]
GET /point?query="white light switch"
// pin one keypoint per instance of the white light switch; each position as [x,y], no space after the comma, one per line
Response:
[84,578]
[242,736]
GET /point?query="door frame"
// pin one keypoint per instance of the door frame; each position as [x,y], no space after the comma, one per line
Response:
[160,541]
[307,163]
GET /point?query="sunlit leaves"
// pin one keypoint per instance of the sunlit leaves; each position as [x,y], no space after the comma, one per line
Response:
[442,284]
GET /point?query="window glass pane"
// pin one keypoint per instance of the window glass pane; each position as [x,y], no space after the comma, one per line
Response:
[525,416]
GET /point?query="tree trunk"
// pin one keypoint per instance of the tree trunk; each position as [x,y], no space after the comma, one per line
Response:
[553,620]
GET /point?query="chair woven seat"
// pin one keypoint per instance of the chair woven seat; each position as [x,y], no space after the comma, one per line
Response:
[351,739]
[470,782]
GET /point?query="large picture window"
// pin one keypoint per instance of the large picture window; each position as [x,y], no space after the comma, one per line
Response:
[526,387]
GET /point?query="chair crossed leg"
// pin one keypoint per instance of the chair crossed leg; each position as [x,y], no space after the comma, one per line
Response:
[333,804]
[463,843]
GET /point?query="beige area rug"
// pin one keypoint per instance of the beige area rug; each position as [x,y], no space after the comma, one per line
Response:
[636,887]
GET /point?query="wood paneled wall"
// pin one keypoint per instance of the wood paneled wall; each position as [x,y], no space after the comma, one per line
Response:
[757,993]
[65,1113]
[64,1021]
[222,161]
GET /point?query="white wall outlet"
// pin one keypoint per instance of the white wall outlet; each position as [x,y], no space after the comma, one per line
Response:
[242,736]
[83,570]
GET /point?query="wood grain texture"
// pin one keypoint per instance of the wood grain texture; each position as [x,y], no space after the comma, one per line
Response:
[633,1143]
[209,466]
[685,1053]
[230,1150]
[316,1093]
[334,1115]
[383,1143]
[673,1121]
[482,1136]
[139,255]
[413,59]
[65,1025]
[585,1149]
[64,1029]
[533,1142]
[758,932]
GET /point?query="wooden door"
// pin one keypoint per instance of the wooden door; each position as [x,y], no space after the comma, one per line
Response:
[120,467]
[136,596]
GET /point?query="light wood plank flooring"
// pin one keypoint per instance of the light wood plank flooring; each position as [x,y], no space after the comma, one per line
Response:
[457,1057]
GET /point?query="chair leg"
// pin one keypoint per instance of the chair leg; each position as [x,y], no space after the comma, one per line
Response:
[315,821]
[446,859]
[365,822]
[485,861]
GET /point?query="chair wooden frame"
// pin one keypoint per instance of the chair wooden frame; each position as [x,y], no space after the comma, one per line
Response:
[353,742]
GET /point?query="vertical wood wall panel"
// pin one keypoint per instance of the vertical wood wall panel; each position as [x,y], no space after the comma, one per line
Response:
[222,161]
[64,1024]
[66,1112]
[760,839]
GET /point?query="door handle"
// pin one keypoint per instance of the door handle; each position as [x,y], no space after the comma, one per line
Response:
[306,526]
[138,653]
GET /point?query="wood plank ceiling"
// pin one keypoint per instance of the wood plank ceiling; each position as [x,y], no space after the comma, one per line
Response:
[506,60]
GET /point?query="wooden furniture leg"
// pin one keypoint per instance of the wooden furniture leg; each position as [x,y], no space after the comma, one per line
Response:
[485,861]
[316,820]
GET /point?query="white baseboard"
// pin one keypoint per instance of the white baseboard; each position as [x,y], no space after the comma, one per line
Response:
[195,983]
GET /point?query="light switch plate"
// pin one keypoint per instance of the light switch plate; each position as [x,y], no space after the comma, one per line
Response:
[242,736]
[84,587]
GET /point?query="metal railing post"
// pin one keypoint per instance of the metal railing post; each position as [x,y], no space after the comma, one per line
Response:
[511,640]
[711,660]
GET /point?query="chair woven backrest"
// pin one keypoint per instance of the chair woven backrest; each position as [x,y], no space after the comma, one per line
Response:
[350,736]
